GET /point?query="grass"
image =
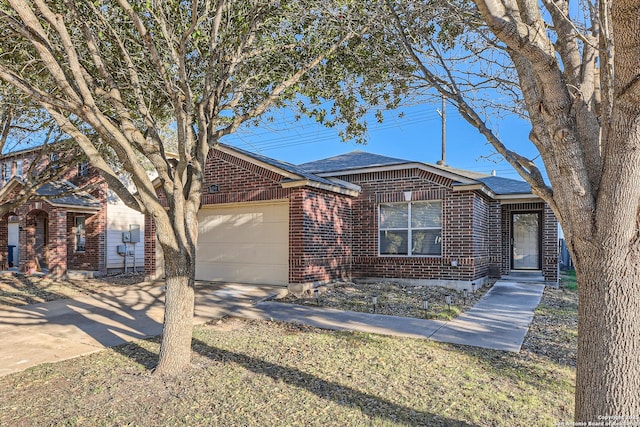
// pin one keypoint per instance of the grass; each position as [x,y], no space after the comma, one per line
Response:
[250,373]
[568,279]
[254,373]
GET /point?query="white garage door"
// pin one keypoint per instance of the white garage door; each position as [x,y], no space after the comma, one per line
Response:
[245,243]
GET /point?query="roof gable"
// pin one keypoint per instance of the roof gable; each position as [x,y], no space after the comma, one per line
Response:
[360,161]
[292,175]
[69,195]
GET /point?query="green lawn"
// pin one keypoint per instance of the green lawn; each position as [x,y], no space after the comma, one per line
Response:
[568,279]
[272,374]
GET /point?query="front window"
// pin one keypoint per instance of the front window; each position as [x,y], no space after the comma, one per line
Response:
[6,171]
[411,229]
[80,234]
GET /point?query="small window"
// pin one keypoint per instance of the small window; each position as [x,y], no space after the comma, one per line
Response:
[83,169]
[411,229]
[19,164]
[6,172]
[53,160]
[80,234]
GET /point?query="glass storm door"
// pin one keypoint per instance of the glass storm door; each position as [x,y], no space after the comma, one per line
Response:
[526,241]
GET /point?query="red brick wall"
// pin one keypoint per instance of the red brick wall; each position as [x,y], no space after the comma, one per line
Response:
[494,223]
[333,236]
[550,246]
[463,212]
[481,236]
[320,229]
[316,218]
[4,240]
[60,245]
[94,256]
[54,254]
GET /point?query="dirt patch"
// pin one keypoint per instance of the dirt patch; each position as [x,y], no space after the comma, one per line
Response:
[20,289]
[553,333]
[394,299]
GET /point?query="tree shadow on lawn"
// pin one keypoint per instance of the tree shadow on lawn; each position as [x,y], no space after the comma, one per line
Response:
[534,369]
[19,289]
[337,393]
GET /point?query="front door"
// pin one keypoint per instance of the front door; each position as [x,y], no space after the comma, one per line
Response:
[41,240]
[14,243]
[525,241]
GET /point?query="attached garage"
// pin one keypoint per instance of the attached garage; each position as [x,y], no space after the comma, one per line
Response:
[244,243]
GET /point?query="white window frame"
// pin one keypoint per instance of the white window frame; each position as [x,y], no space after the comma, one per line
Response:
[80,234]
[409,230]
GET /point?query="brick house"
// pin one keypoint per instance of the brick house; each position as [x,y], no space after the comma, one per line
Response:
[363,216]
[74,224]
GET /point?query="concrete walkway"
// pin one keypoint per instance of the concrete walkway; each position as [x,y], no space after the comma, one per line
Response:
[58,330]
[499,321]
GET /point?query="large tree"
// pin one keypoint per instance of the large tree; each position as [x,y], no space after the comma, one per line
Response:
[25,126]
[124,69]
[573,71]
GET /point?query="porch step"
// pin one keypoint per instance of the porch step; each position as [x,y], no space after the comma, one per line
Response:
[525,276]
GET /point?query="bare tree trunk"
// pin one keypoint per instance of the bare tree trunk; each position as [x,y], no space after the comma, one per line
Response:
[175,349]
[608,371]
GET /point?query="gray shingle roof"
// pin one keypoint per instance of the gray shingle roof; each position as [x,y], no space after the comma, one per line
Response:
[288,167]
[70,195]
[501,185]
[349,161]
[360,159]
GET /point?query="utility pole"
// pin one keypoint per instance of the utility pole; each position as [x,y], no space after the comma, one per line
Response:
[443,116]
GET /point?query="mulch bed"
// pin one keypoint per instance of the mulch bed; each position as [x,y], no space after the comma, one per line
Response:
[392,299]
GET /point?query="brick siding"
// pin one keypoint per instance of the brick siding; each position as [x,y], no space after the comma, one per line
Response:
[58,252]
[465,214]
[321,239]
[319,221]
[334,236]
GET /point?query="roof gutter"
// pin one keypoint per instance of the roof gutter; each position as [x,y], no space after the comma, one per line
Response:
[75,208]
[504,198]
[475,187]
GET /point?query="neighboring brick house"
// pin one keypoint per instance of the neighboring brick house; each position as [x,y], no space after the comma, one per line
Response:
[363,216]
[63,228]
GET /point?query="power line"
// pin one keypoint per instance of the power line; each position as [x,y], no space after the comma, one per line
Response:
[305,133]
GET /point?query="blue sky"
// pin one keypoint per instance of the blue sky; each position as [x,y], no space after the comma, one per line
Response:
[416,136]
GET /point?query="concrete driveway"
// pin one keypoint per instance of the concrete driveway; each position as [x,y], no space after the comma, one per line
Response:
[62,329]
